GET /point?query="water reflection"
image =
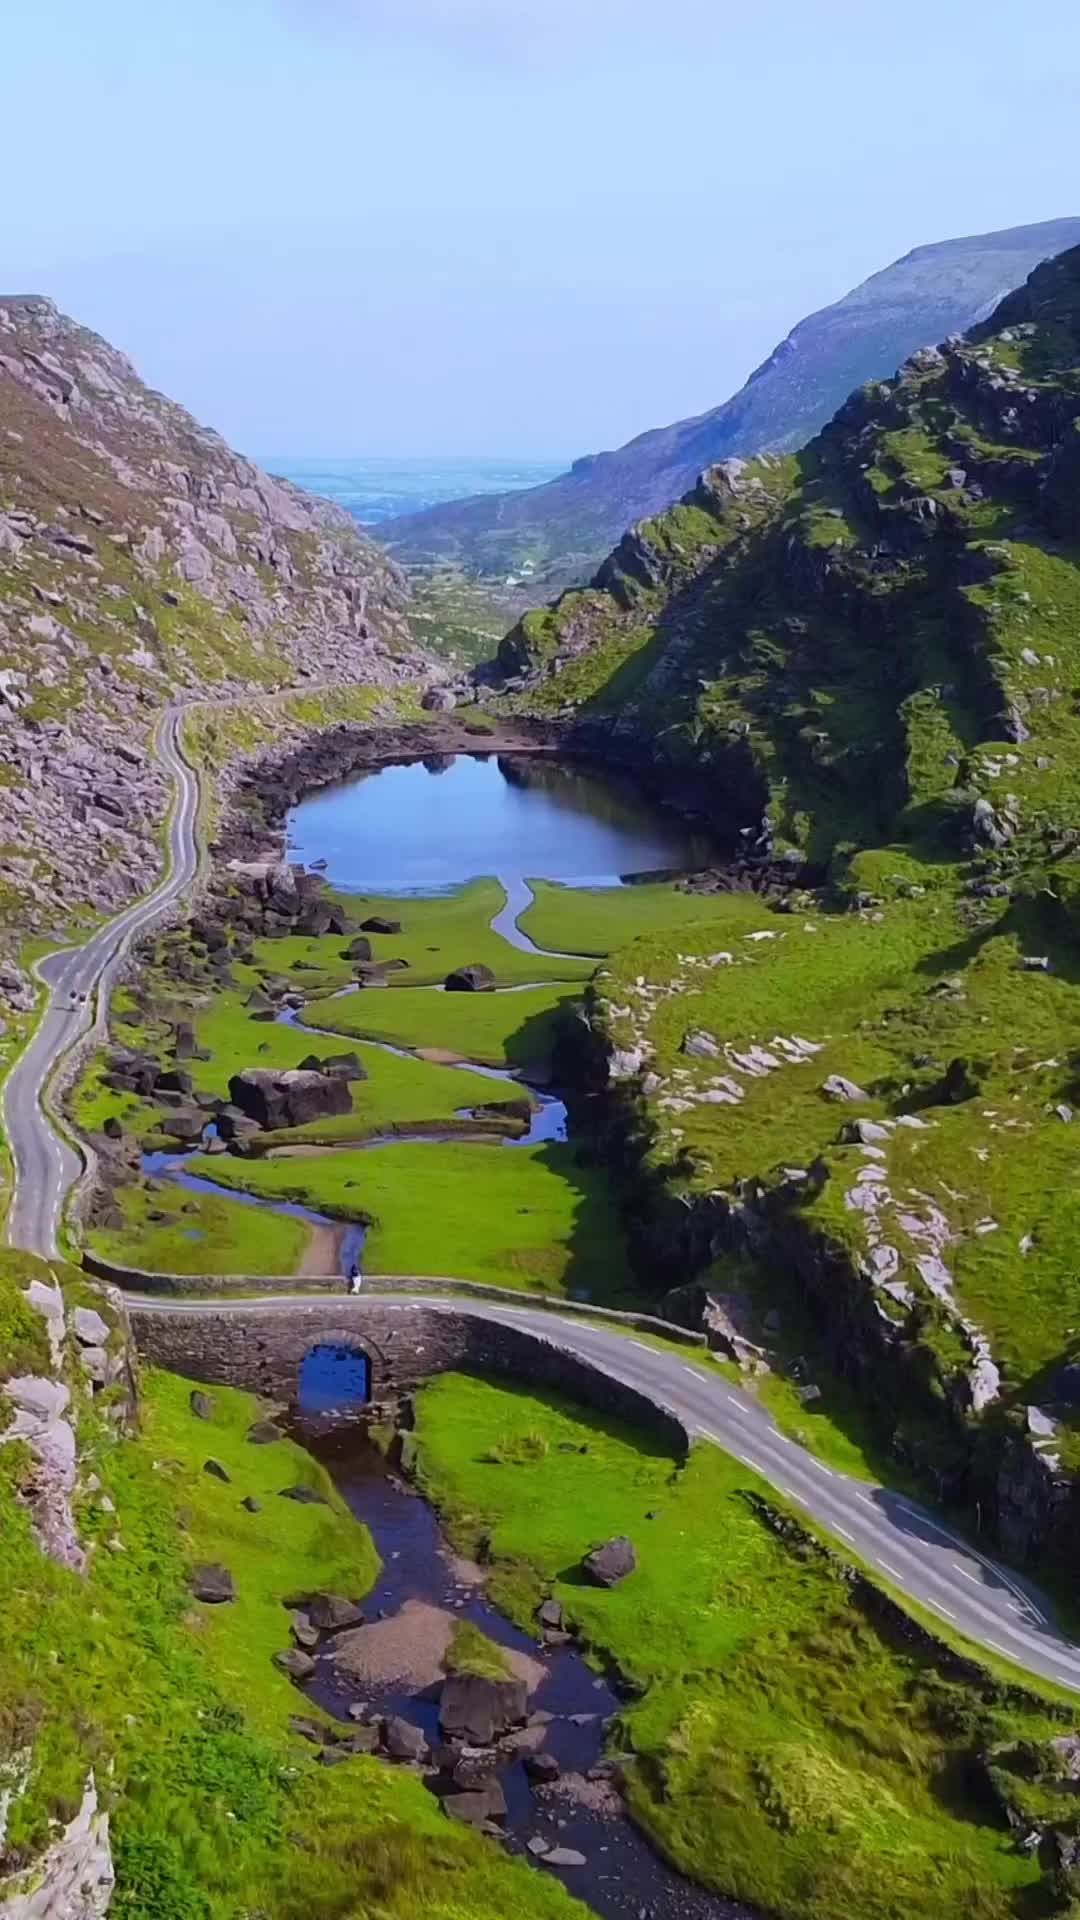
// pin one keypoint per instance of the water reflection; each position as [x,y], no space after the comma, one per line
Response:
[394,830]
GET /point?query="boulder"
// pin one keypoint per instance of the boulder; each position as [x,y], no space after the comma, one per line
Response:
[476,1808]
[263,1432]
[837,1088]
[212,1583]
[376,923]
[295,1662]
[332,1613]
[304,1633]
[358,949]
[89,1327]
[610,1563]
[403,1741]
[474,1766]
[305,1496]
[564,1857]
[173,1080]
[471,979]
[478,1710]
[542,1768]
[438,700]
[290,1099]
[550,1613]
[201,1404]
[186,1125]
[251,1504]
[216,1471]
[112,1128]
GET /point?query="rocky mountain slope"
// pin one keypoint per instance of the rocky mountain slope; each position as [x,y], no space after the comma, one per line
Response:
[560,531]
[142,560]
[862,662]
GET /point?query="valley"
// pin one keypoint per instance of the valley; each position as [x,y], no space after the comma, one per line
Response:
[640,1071]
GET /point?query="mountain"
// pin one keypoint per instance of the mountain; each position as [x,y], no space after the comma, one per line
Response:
[862,662]
[142,560]
[560,531]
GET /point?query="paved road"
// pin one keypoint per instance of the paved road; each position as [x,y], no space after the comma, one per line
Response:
[901,1542]
[79,980]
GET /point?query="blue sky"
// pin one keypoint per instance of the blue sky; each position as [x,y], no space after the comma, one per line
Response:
[523,227]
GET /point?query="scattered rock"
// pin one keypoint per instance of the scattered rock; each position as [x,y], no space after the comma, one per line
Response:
[610,1563]
[550,1613]
[331,1612]
[375,923]
[478,1709]
[487,1803]
[564,1857]
[216,1471]
[263,1432]
[836,1087]
[305,1496]
[295,1662]
[89,1327]
[472,979]
[304,1633]
[212,1583]
[403,1741]
[251,1504]
[542,1768]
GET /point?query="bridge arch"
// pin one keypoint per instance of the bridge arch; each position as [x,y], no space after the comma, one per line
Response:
[335,1374]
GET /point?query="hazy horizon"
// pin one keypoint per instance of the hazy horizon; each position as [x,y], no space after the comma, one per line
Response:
[531,229]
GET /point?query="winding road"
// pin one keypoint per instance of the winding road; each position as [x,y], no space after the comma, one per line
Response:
[79,980]
[902,1543]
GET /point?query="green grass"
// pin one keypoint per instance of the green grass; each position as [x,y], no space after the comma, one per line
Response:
[217,1812]
[598,920]
[495,1029]
[202,1233]
[526,1217]
[470,1651]
[784,1750]
[439,932]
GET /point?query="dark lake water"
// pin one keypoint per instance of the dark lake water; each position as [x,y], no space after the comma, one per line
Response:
[432,824]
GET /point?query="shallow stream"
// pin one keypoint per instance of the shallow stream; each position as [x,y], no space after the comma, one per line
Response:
[622,1879]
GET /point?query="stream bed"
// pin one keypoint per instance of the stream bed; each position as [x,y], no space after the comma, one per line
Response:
[622,1878]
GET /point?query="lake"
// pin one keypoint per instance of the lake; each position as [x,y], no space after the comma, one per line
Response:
[429,825]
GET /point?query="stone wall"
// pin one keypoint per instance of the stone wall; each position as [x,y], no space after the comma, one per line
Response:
[263,1350]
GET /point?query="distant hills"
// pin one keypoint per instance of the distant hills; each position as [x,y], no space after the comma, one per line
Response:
[557,533]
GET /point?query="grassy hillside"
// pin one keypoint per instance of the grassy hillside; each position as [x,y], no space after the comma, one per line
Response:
[862,660]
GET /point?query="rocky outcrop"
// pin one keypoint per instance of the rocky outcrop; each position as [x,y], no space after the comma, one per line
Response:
[142,559]
[290,1099]
[73,1880]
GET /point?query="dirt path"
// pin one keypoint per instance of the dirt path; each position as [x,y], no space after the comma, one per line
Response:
[322,1255]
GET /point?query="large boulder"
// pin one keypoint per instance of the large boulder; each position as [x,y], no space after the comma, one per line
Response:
[378,923]
[291,1099]
[479,1710]
[471,979]
[438,700]
[610,1563]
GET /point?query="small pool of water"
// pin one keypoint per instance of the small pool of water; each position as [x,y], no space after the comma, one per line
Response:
[623,1879]
[428,825]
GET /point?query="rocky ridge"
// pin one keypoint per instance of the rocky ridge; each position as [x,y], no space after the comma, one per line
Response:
[861,660]
[555,534]
[142,560]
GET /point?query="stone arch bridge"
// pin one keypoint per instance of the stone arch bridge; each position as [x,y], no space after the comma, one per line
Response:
[261,1345]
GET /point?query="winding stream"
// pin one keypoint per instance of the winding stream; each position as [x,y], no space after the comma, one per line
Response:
[423,828]
[622,1878]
